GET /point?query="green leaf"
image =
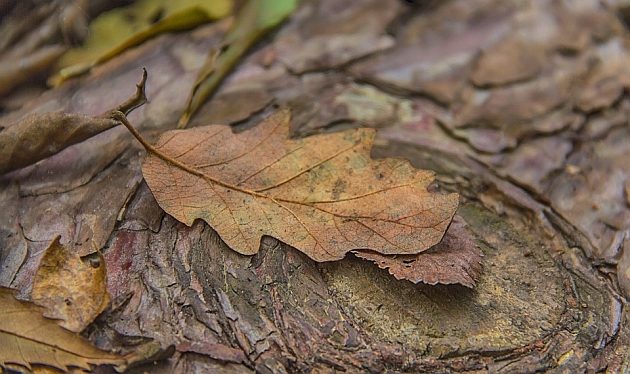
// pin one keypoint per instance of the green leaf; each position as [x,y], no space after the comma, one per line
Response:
[253,21]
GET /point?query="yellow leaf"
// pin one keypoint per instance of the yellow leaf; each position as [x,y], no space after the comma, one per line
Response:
[119,29]
[72,290]
[27,338]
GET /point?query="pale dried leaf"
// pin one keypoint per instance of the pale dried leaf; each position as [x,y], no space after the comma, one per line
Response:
[71,289]
[27,338]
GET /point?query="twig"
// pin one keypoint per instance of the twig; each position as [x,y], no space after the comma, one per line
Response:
[139,99]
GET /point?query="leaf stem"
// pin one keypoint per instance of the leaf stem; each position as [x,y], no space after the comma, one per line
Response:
[122,118]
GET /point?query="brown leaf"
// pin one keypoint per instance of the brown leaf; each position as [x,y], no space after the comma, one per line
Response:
[455,260]
[38,136]
[322,195]
[70,289]
[27,338]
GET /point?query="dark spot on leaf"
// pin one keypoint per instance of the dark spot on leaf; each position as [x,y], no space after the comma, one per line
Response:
[157,16]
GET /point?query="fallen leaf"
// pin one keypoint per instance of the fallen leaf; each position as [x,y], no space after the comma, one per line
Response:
[38,136]
[41,135]
[27,338]
[120,29]
[322,195]
[254,20]
[71,289]
[455,260]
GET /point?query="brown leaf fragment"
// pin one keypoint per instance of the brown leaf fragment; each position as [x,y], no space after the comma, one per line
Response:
[71,289]
[455,260]
[38,136]
[28,338]
[323,194]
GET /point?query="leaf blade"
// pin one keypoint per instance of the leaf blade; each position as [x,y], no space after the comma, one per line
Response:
[117,30]
[254,20]
[28,338]
[69,288]
[259,183]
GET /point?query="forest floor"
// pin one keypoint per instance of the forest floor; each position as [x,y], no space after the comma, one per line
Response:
[519,106]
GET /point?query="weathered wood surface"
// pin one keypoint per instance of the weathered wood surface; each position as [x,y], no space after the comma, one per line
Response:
[520,106]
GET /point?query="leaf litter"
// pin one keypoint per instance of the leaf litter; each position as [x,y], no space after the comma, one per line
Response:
[455,260]
[28,338]
[323,195]
[41,135]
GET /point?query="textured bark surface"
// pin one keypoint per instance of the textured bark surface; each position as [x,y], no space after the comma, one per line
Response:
[536,143]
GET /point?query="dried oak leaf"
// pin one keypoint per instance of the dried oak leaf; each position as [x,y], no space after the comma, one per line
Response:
[455,260]
[27,337]
[323,194]
[71,289]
